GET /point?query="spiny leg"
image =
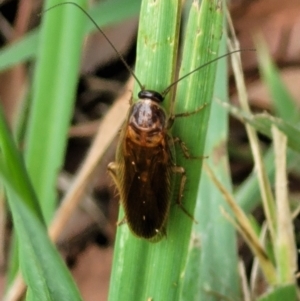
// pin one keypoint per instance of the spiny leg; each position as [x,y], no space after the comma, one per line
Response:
[180,170]
[185,150]
[185,114]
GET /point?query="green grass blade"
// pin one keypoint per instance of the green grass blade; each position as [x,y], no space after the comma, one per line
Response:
[213,247]
[54,89]
[42,267]
[15,167]
[201,45]
[104,13]
[196,90]
[134,258]
[280,293]
[263,123]
[248,195]
[283,101]
[19,52]
[159,267]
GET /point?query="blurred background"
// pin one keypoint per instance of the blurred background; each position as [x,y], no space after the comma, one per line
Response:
[87,241]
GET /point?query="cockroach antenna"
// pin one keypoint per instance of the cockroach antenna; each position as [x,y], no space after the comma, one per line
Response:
[142,87]
[104,35]
[167,90]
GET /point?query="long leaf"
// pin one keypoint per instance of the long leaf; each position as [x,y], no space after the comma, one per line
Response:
[213,246]
[159,267]
[54,90]
[42,267]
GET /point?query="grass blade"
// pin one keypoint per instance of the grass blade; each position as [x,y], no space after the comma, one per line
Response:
[284,103]
[285,245]
[213,246]
[133,257]
[159,266]
[39,260]
[16,168]
[53,97]
[263,123]
[248,195]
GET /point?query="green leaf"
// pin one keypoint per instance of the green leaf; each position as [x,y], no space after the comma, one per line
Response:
[284,103]
[288,292]
[159,267]
[54,88]
[135,258]
[203,280]
[42,267]
[247,194]
[263,123]
[14,165]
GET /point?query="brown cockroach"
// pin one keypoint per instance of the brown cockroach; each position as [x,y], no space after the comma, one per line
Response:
[145,163]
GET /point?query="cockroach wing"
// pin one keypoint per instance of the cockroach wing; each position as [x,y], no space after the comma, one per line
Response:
[145,187]
[148,200]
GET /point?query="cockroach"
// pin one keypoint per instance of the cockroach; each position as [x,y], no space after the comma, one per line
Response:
[145,163]
[145,157]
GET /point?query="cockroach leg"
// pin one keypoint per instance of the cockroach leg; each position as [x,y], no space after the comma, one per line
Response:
[185,150]
[121,222]
[181,171]
[131,99]
[183,147]
[185,114]
[112,168]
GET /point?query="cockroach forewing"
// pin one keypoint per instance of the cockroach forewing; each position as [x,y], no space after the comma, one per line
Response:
[144,179]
